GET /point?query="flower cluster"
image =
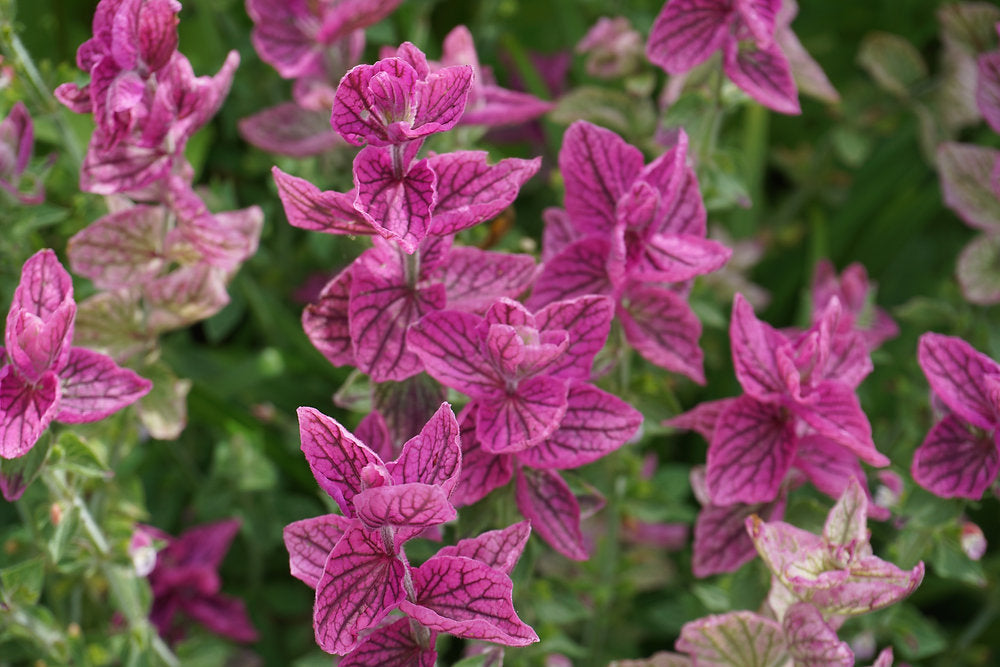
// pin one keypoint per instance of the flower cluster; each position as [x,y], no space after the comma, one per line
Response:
[357,564]
[44,378]
[161,257]
[798,418]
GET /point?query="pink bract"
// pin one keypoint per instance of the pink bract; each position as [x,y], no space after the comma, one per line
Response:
[43,377]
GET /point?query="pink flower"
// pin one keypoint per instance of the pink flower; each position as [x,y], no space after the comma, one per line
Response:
[185,580]
[44,378]
[17,140]
[687,32]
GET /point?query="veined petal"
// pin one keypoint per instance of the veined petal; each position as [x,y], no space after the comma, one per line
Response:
[596,423]
[513,421]
[392,645]
[661,326]
[762,73]
[467,598]
[411,505]
[598,167]
[398,206]
[580,269]
[442,98]
[811,640]
[94,386]
[326,322]
[499,549]
[955,461]
[482,471]
[433,456]
[470,191]
[733,640]
[965,171]
[361,584]
[750,452]
[25,410]
[587,320]
[546,500]
[687,32]
[474,278]
[308,208]
[957,373]
[834,411]
[449,345]
[335,456]
[309,543]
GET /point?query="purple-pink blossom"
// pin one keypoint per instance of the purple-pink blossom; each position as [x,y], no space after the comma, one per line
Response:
[17,141]
[185,581]
[43,377]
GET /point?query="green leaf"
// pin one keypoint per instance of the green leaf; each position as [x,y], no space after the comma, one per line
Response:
[950,562]
[893,62]
[916,636]
[21,584]
[74,454]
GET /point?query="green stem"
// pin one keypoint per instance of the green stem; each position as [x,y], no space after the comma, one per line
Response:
[43,93]
[607,566]
[710,134]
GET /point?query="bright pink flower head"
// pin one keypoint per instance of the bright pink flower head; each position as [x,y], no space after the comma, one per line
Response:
[44,378]
[399,99]
[960,457]
[298,37]
[687,32]
[133,40]
[853,289]
[17,140]
[185,580]
[613,47]
[799,410]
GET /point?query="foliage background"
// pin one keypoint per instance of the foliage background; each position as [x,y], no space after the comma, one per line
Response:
[848,182]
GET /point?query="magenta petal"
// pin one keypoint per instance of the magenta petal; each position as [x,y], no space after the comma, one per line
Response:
[828,465]
[596,423]
[736,638]
[687,32]
[546,500]
[467,598]
[309,543]
[811,640]
[702,418]
[498,106]
[361,584]
[834,411]
[751,452]
[412,505]
[373,431]
[721,543]
[407,407]
[587,320]
[335,456]
[382,307]
[434,455]
[44,287]
[481,471]
[125,168]
[580,269]
[391,645]
[94,386]
[326,322]
[224,615]
[121,249]
[661,326]
[753,344]
[956,461]
[308,208]
[288,129]
[598,167]
[499,549]
[470,191]
[397,205]
[442,97]
[25,410]
[354,114]
[988,88]
[764,74]
[35,345]
[474,278]
[557,234]
[957,374]
[676,258]
[510,422]
[448,344]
